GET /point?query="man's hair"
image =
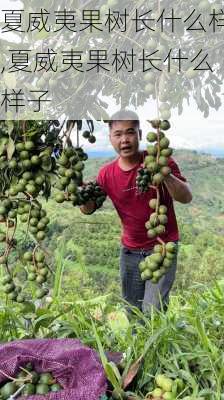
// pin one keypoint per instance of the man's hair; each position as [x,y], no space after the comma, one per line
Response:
[124,115]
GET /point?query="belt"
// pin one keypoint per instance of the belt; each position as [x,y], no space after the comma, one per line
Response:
[142,252]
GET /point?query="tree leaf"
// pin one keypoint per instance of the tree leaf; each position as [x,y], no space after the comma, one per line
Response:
[9,80]
[46,163]
[79,124]
[3,142]
[43,321]
[90,125]
[10,148]
[10,126]
[132,372]
[28,307]
[109,370]
[47,187]
[209,98]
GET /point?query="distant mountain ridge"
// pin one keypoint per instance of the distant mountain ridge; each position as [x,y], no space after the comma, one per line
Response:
[204,172]
[213,151]
[189,161]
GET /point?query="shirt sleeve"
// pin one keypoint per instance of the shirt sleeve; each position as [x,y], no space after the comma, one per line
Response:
[101,179]
[175,169]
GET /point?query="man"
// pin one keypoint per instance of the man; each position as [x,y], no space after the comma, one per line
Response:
[118,180]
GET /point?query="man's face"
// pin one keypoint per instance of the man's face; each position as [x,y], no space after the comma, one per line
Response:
[124,137]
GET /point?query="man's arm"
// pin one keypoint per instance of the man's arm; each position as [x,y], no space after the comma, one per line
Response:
[178,190]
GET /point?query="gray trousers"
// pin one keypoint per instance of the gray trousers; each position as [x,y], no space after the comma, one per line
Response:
[139,293]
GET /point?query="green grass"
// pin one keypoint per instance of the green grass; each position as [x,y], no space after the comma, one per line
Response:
[184,343]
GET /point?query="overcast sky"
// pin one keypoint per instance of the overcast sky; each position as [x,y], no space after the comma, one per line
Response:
[189,130]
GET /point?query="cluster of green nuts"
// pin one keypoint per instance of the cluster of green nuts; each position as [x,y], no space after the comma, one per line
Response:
[29,382]
[92,191]
[155,166]
[29,212]
[35,217]
[166,388]
[11,289]
[143,179]
[34,157]
[70,167]
[154,266]
[29,167]
[156,161]
[158,219]
[37,271]
[7,214]
[88,135]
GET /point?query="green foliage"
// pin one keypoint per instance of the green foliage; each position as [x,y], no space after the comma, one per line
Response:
[185,343]
[181,343]
[170,87]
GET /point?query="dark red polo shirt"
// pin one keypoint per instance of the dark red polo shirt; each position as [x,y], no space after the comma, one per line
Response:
[133,207]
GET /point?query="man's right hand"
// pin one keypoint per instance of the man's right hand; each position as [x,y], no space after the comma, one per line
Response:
[89,207]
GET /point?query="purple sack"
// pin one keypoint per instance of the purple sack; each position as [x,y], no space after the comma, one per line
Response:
[76,367]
